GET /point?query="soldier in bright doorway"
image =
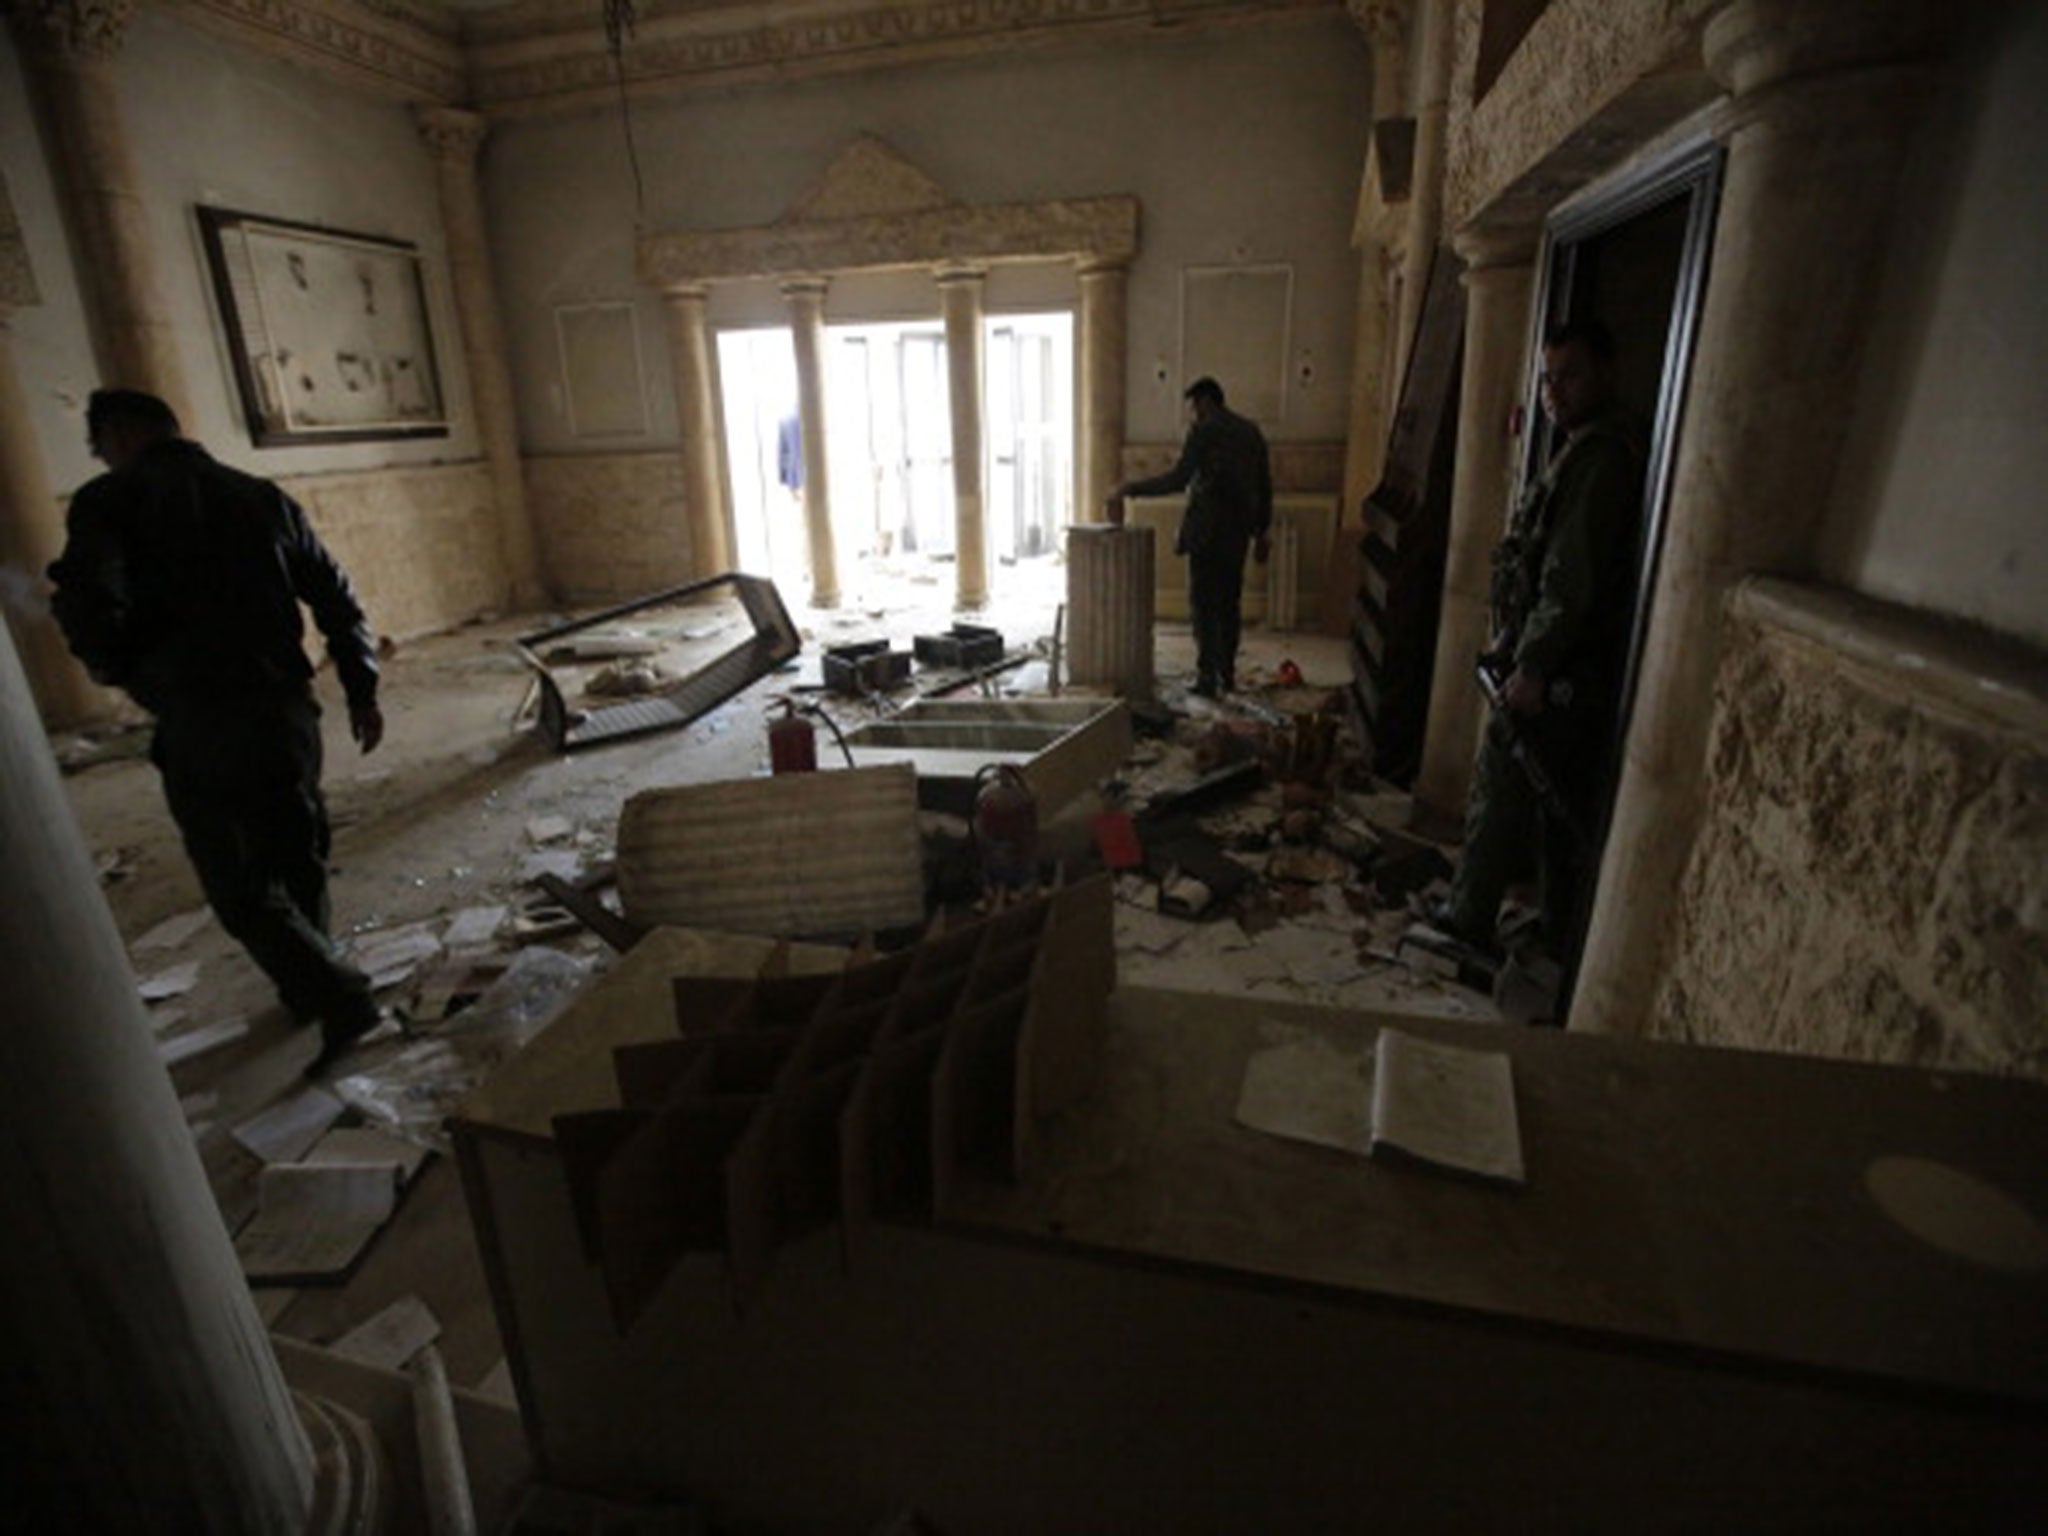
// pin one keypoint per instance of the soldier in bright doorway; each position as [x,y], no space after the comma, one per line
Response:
[1563,602]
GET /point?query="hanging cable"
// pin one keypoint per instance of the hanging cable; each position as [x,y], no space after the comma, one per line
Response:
[619,19]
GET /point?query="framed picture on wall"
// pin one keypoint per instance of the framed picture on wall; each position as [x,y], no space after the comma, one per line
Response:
[1233,327]
[327,330]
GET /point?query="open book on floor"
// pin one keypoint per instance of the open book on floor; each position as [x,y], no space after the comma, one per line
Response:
[1447,1106]
[1411,1098]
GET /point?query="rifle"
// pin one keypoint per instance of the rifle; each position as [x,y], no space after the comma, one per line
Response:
[1526,758]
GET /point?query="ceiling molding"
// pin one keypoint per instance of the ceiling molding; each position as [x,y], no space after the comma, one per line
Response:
[390,49]
[550,55]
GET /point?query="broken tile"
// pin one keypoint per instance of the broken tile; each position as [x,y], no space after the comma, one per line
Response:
[562,863]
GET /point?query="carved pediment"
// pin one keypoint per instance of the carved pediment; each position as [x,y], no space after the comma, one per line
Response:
[867,179]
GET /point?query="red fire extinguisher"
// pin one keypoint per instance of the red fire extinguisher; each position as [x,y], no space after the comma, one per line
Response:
[1006,826]
[792,742]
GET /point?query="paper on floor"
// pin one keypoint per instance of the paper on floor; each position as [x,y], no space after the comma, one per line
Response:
[173,931]
[391,1337]
[183,1047]
[314,1219]
[175,982]
[283,1132]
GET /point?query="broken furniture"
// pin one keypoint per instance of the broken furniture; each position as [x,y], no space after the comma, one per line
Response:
[807,854]
[781,1103]
[964,645]
[1109,608]
[866,667]
[1063,746]
[1698,1303]
[773,642]
[1407,536]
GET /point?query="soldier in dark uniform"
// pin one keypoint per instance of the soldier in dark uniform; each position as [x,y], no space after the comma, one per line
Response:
[180,583]
[1226,472]
[1563,601]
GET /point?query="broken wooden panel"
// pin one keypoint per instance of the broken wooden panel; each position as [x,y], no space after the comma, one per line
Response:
[1063,746]
[774,641]
[812,853]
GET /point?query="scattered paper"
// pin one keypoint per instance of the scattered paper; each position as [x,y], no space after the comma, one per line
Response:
[208,1037]
[1306,1089]
[498,1385]
[283,1132]
[173,931]
[392,1336]
[474,926]
[391,956]
[175,982]
[562,863]
[361,1145]
[314,1219]
[548,829]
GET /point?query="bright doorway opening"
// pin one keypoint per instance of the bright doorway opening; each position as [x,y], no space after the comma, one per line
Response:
[890,457]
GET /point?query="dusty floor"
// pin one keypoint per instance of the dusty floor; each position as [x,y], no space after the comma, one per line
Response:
[459,806]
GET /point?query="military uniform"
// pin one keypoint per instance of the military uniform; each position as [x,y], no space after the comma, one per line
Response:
[1563,599]
[180,582]
[1227,473]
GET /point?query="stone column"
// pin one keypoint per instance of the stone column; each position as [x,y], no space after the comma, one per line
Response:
[70,46]
[1499,291]
[31,536]
[1426,196]
[454,137]
[1827,98]
[697,421]
[960,297]
[1100,399]
[806,298]
[145,1395]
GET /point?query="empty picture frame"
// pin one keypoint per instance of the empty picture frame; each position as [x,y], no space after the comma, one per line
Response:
[601,366]
[1233,328]
[327,330]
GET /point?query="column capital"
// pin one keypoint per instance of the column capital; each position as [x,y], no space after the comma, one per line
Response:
[450,132]
[1384,22]
[72,29]
[1750,45]
[959,275]
[804,290]
[1102,266]
[682,295]
[1481,247]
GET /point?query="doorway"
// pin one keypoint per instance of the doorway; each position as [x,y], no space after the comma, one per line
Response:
[1631,254]
[890,454]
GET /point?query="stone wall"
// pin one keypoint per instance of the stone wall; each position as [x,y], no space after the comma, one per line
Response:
[1871,877]
[421,545]
[610,526]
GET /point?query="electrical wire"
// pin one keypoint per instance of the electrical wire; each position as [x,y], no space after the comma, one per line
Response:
[619,20]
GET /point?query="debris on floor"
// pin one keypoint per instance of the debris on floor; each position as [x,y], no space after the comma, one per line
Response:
[391,1337]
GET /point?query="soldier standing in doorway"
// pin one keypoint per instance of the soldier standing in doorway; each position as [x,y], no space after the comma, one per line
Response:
[1563,604]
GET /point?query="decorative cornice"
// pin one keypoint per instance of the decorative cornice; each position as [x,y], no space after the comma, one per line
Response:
[1096,228]
[550,55]
[385,46]
[451,133]
[73,29]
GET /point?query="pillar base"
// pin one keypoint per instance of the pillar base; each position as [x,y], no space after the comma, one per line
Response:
[351,1487]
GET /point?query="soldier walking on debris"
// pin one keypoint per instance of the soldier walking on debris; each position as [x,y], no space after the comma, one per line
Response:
[1563,601]
[180,583]
[1228,476]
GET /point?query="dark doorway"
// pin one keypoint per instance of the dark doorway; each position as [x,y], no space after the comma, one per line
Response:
[1633,255]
